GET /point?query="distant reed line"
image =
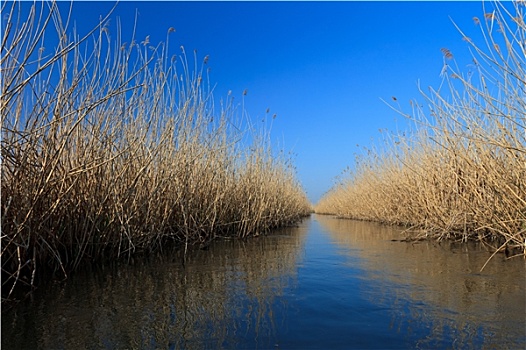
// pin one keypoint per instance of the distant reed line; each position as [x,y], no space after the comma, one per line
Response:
[462,173]
[112,148]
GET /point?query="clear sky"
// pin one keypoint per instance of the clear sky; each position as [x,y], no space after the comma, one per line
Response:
[322,67]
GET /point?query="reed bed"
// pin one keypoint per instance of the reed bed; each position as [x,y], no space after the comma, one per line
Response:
[112,148]
[461,173]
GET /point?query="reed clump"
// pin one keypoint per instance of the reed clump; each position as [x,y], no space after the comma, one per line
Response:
[461,173]
[112,148]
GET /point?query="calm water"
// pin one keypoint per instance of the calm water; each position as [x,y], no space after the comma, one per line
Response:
[327,284]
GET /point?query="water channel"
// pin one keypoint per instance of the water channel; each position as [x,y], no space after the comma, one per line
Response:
[327,284]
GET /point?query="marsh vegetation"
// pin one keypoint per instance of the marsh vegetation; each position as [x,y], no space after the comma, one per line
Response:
[461,173]
[110,148]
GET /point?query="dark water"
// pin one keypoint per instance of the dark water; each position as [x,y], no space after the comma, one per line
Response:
[328,284]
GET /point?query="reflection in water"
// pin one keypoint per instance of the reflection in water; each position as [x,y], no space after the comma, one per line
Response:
[221,296]
[441,284]
[330,283]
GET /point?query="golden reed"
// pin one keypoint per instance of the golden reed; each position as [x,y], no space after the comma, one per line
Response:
[112,148]
[462,173]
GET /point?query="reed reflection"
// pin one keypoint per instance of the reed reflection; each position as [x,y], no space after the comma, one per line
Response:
[439,284]
[228,293]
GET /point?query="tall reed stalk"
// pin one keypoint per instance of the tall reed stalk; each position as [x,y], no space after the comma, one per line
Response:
[462,174]
[111,148]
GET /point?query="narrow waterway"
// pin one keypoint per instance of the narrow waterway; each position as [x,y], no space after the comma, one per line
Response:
[327,284]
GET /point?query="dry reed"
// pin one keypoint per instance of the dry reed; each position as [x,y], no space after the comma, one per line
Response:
[462,173]
[109,149]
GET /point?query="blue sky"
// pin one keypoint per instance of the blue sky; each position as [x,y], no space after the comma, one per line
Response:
[322,67]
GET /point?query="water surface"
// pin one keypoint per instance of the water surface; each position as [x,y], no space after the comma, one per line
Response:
[329,283]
